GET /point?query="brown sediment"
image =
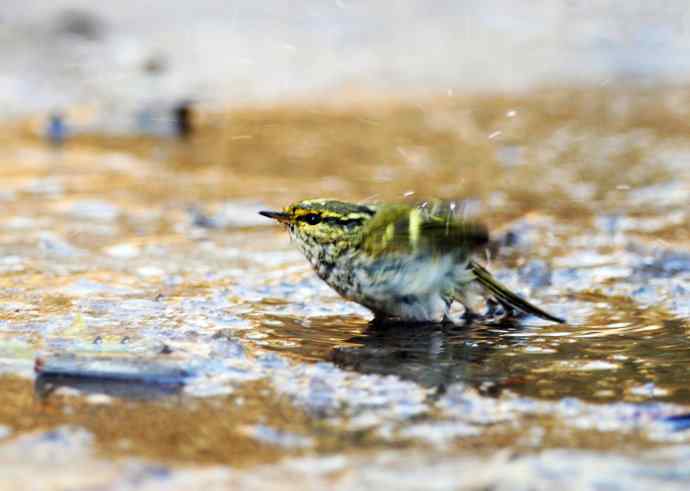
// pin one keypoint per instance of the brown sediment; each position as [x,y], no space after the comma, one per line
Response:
[177,429]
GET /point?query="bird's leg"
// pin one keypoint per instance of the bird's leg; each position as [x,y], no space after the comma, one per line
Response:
[509,312]
[491,307]
[446,315]
[469,316]
[498,311]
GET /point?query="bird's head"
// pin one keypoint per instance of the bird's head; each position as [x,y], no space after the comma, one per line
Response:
[323,221]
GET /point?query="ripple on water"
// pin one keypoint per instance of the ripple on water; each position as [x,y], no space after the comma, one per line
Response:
[593,362]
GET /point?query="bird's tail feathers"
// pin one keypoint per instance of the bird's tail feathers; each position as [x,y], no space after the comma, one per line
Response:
[506,297]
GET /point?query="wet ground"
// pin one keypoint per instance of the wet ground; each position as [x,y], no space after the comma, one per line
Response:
[181,338]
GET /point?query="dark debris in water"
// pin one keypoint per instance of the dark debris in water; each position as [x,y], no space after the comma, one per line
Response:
[125,377]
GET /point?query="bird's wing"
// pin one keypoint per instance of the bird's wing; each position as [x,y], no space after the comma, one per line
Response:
[400,229]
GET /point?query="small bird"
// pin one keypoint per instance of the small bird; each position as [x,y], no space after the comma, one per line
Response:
[402,262]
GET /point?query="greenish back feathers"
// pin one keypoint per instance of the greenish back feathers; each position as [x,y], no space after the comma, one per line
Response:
[401,229]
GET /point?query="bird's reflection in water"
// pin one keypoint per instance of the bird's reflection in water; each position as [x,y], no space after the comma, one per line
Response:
[433,355]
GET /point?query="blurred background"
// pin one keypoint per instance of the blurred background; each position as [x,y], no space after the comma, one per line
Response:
[156,329]
[58,53]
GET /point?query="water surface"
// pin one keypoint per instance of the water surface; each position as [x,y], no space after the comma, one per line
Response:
[141,259]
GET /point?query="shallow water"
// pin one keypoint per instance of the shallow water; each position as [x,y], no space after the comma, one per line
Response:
[175,327]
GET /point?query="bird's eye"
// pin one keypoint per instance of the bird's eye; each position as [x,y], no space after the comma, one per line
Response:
[311,219]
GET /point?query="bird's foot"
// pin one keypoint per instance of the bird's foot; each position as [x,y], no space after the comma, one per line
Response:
[470,316]
[492,308]
[499,313]
[496,313]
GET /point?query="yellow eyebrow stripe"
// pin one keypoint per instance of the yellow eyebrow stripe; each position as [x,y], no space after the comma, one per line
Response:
[331,214]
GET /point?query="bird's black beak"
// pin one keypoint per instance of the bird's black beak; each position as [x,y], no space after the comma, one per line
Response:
[280,216]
